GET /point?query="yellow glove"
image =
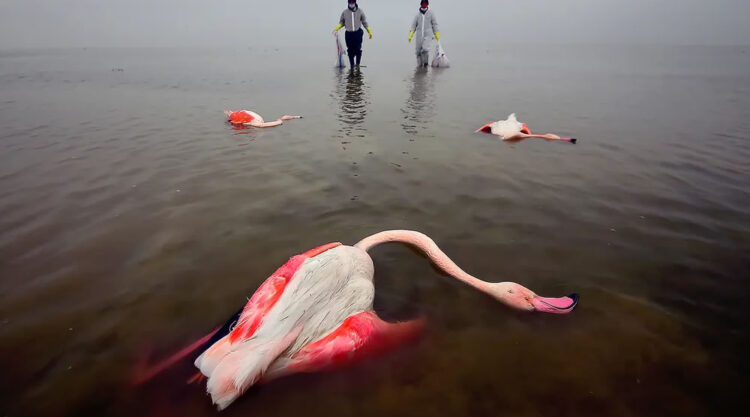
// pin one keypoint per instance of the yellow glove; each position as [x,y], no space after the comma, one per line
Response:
[336,29]
[437,35]
[411,35]
[370,32]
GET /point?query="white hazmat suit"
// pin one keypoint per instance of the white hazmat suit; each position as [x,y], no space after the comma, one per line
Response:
[424,28]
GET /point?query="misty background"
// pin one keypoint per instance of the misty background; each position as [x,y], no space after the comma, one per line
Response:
[165,23]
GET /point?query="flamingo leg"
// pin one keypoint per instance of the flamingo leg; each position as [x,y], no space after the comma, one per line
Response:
[144,373]
[359,337]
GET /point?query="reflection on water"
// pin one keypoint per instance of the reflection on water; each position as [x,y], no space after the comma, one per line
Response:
[351,92]
[420,107]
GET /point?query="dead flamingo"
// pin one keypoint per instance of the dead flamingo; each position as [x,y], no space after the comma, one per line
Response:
[250,118]
[513,130]
[316,313]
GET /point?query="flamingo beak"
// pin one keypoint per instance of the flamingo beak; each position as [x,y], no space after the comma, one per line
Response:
[485,129]
[562,305]
[525,129]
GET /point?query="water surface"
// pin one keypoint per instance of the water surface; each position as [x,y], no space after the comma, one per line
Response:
[133,217]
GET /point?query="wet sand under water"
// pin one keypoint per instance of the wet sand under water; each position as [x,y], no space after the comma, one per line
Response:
[133,217]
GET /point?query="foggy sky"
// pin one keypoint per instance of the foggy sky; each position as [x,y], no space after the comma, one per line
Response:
[77,23]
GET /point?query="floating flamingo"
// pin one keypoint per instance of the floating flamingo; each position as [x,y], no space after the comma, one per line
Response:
[513,130]
[316,313]
[250,118]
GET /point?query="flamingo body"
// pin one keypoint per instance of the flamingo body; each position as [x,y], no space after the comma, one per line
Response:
[251,118]
[315,313]
[243,117]
[511,129]
[506,129]
[302,302]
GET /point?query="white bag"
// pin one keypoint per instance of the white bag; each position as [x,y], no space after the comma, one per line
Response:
[340,61]
[440,60]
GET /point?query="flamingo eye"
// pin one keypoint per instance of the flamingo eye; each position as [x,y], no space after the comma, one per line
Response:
[510,291]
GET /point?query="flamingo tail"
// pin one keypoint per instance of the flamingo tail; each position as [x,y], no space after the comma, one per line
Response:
[210,359]
[244,366]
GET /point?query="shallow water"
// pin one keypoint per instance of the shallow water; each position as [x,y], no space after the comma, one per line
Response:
[132,217]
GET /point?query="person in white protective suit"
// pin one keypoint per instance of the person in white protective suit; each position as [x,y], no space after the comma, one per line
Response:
[425,26]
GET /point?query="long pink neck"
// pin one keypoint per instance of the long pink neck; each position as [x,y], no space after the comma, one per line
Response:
[549,136]
[426,245]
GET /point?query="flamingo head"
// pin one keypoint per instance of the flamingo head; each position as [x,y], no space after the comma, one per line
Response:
[521,298]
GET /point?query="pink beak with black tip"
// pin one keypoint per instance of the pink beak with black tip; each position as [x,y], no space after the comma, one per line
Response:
[561,305]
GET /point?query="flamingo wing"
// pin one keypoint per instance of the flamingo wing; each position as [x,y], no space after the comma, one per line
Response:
[486,128]
[359,337]
[243,116]
[268,293]
[240,325]
[261,302]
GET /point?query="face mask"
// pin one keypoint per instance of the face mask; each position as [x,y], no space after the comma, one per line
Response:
[423,9]
[352,6]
